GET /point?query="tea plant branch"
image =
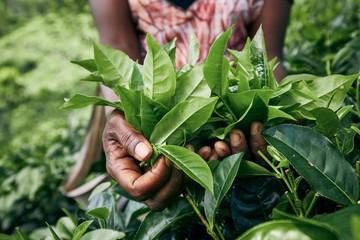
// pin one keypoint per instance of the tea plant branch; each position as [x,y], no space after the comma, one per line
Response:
[201,216]
[312,204]
[289,181]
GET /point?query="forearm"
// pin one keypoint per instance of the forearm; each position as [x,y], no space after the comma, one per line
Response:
[116,29]
[114,23]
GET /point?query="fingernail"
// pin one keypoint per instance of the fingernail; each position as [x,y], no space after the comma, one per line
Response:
[141,151]
[235,139]
[256,128]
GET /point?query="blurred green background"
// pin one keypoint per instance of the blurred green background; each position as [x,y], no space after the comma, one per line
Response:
[39,143]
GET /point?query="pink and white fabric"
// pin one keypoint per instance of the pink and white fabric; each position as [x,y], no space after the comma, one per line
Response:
[206,18]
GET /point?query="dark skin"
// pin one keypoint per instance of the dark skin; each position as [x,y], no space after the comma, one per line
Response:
[125,147]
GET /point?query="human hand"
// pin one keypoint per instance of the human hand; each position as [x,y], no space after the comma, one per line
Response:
[125,148]
[239,143]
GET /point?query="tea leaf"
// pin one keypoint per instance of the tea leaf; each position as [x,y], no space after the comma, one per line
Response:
[224,175]
[81,229]
[150,114]
[107,234]
[316,159]
[191,163]
[217,66]
[88,64]
[191,84]
[80,101]
[158,74]
[250,169]
[327,121]
[193,52]
[100,212]
[341,220]
[114,66]
[131,105]
[53,233]
[289,229]
[188,115]
[179,209]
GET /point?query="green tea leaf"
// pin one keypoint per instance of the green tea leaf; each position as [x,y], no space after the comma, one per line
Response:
[191,84]
[341,113]
[93,77]
[81,229]
[65,227]
[170,48]
[239,103]
[53,233]
[194,50]
[80,101]
[100,212]
[88,64]
[275,112]
[131,105]
[191,163]
[189,115]
[114,66]
[217,66]
[158,74]
[288,230]
[107,234]
[331,90]
[136,81]
[355,223]
[99,188]
[150,114]
[327,121]
[341,220]
[259,60]
[252,169]
[316,159]
[224,175]
[179,209]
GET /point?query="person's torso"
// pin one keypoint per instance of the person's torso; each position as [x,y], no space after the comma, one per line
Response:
[166,20]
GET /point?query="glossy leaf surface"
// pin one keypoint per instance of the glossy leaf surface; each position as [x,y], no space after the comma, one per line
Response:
[191,163]
[216,68]
[190,115]
[288,230]
[158,74]
[316,159]
[81,100]
[107,234]
[177,210]
[114,66]
[224,175]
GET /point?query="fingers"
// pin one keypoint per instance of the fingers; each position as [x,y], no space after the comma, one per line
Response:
[205,152]
[237,141]
[168,192]
[222,149]
[119,130]
[257,142]
[131,177]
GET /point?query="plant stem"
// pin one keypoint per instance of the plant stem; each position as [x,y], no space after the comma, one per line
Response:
[219,232]
[292,203]
[312,204]
[269,162]
[202,218]
[357,93]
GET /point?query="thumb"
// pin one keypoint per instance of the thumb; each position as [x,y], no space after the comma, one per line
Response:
[134,143]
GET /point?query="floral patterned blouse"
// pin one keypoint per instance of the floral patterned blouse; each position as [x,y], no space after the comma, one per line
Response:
[206,18]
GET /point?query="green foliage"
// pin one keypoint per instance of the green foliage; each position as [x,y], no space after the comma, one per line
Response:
[314,151]
[324,40]
[39,144]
